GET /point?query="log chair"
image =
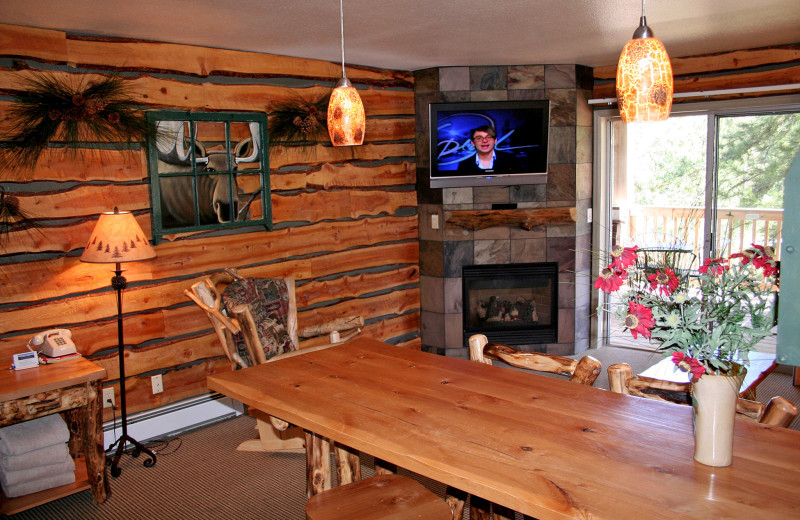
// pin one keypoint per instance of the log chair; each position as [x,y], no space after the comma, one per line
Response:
[584,371]
[273,434]
[778,412]
[381,497]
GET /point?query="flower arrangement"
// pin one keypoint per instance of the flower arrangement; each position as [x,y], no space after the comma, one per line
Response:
[709,322]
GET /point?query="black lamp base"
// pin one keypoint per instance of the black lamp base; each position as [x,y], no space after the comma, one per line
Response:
[138,448]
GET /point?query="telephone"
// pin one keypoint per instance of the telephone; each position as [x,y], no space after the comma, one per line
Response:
[54,343]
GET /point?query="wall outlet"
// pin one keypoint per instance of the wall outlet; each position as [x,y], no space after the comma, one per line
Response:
[158,384]
[108,395]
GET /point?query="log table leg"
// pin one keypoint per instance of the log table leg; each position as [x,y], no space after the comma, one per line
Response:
[348,465]
[318,464]
[93,451]
[479,508]
[456,499]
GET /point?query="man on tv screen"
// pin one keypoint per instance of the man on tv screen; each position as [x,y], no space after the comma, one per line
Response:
[486,160]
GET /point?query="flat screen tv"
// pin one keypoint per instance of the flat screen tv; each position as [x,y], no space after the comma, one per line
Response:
[520,145]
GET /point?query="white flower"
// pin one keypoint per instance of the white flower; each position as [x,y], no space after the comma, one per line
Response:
[673,319]
[680,298]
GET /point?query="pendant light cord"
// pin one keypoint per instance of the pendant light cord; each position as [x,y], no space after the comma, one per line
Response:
[642,13]
[341,22]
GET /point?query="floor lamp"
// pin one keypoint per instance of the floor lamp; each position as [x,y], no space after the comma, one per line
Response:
[117,238]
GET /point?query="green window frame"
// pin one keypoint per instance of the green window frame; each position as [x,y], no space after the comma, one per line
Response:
[208,171]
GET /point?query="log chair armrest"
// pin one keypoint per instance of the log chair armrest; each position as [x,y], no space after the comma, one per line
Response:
[586,371]
[337,325]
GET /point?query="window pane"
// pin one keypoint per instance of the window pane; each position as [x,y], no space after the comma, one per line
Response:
[755,152]
[661,192]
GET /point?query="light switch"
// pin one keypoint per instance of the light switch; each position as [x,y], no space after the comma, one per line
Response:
[434,221]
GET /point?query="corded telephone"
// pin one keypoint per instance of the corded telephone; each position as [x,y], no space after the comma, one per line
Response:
[54,343]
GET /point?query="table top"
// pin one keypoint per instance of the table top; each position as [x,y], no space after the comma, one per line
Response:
[538,445]
[22,383]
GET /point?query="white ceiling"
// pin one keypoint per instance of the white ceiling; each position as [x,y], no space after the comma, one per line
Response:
[417,34]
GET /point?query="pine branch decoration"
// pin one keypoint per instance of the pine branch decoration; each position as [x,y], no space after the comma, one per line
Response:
[12,216]
[299,121]
[51,108]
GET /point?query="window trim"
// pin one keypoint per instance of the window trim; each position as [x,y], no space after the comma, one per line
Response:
[158,229]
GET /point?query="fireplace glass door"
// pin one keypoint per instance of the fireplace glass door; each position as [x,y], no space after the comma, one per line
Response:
[515,304]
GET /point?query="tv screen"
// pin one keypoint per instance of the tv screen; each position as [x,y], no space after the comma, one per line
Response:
[465,153]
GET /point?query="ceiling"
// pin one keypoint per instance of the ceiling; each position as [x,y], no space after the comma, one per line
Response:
[418,34]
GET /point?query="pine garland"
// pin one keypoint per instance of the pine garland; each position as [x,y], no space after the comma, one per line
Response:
[12,216]
[50,107]
[299,121]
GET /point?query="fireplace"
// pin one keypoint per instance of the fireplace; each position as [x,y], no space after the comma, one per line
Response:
[515,304]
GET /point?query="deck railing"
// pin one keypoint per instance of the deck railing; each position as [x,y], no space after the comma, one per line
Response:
[737,228]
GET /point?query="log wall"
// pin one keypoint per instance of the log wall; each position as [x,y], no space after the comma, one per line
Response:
[768,66]
[345,223]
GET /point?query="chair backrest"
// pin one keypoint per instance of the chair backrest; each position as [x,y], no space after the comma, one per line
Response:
[583,371]
[209,293]
[778,412]
[255,319]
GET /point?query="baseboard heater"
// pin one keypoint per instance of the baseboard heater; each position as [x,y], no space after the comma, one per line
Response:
[174,418]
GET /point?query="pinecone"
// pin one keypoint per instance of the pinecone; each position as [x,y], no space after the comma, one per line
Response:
[310,124]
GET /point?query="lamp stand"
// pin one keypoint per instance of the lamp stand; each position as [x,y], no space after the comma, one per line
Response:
[118,282]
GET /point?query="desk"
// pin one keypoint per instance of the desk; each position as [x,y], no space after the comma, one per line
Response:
[72,387]
[545,447]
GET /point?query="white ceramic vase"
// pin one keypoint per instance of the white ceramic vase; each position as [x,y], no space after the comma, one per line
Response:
[714,401]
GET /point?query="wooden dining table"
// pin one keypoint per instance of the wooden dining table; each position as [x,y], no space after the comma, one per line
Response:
[538,445]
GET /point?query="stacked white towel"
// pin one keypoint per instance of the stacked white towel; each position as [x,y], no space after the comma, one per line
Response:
[34,456]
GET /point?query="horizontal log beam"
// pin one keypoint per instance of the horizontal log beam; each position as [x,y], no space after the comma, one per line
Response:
[524,218]
[719,62]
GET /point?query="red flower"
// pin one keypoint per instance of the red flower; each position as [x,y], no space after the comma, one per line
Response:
[762,258]
[664,282]
[688,364]
[714,266]
[610,279]
[623,257]
[639,320]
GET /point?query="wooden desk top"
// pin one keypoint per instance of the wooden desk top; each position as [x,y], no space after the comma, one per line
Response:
[22,383]
[541,446]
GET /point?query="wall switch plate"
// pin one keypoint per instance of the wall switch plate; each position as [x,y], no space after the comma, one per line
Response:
[108,395]
[434,221]
[589,216]
[158,384]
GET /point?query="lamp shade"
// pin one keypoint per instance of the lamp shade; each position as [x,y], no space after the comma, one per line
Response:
[346,119]
[644,81]
[117,238]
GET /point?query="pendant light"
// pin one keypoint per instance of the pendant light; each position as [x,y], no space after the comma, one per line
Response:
[346,120]
[644,77]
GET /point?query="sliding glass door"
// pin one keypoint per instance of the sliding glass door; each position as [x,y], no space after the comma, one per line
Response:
[707,182]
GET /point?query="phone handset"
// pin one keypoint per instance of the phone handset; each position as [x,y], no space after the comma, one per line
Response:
[54,342]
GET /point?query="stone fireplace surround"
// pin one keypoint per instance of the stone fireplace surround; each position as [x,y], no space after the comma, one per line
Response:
[444,249]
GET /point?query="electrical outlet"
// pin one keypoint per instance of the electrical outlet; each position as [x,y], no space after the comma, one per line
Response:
[158,384]
[108,398]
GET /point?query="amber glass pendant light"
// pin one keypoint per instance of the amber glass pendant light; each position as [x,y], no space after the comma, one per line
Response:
[346,119]
[644,77]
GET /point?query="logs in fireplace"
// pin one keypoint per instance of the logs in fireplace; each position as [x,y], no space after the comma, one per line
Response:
[515,304]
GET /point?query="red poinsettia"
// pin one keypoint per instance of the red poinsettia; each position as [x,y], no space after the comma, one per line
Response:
[639,320]
[664,281]
[623,257]
[610,279]
[714,266]
[688,364]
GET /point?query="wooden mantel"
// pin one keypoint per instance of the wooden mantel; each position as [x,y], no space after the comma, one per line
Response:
[524,218]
